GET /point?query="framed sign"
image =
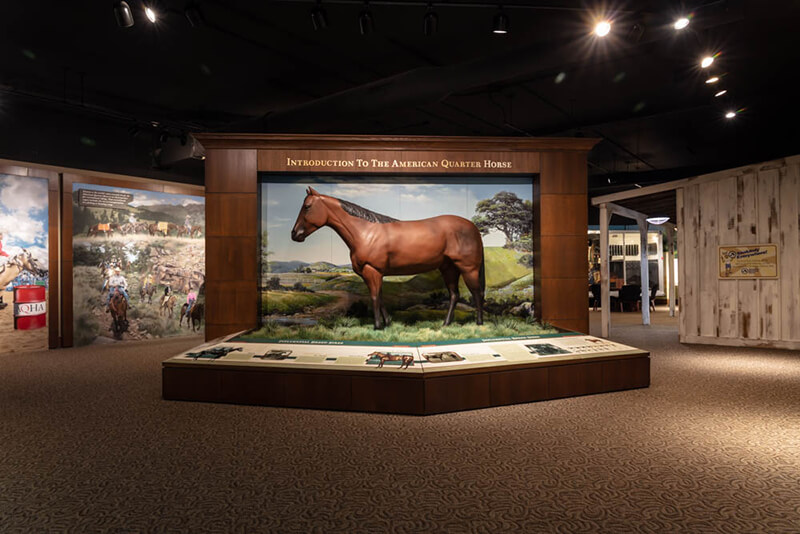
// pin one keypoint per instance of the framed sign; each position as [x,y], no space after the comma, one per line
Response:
[748,261]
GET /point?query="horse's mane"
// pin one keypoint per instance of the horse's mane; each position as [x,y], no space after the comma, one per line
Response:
[363,213]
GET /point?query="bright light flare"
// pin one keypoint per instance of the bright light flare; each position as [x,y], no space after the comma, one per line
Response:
[602,28]
[730,114]
[681,23]
[713,79]
[151,15]
[707,61]
[720,93]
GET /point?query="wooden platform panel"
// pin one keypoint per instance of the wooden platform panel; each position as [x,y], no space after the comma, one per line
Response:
[418,394]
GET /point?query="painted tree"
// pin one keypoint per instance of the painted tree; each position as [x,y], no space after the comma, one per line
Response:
[505,212]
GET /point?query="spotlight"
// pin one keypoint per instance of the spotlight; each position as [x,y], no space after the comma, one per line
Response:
[681,23]
[501,25]
[319,18]
[193,15]
[151,15]
[707,61]
[123,14]
[365,22]
[713,79]
[720,93]
[430,23]
[730,114]
[602,28]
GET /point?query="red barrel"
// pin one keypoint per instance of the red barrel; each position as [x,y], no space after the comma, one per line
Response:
[30,307]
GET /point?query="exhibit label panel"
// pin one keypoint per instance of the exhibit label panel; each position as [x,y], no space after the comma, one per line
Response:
[138,264]
[315,272]
[748,261]
[24,255]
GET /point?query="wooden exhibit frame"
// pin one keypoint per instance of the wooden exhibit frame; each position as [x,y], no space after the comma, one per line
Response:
[68,179]
[233,162]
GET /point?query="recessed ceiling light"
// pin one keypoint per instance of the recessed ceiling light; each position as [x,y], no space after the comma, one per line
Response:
[730,114]
[707,61]
[720,93]
[681,23]
[151,15]
[713,79]
[602,28]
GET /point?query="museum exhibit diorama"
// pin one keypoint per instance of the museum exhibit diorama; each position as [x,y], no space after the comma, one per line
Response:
[399,275]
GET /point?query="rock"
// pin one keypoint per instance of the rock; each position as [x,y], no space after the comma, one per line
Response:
[523,310]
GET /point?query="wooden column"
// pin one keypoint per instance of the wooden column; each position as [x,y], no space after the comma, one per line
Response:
[560,286]
[671,266]
[645,270]
[231,241]
[605,272]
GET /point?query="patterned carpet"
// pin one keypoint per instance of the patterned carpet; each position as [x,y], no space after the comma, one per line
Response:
[87,445]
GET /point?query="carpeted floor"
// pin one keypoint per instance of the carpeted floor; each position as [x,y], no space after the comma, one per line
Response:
[87,445]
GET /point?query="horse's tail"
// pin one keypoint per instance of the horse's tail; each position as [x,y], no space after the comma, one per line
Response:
[482,276]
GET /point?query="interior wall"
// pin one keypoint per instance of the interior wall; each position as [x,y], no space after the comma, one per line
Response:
[757,204]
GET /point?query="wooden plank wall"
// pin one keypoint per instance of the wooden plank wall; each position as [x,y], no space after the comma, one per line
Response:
[746,206]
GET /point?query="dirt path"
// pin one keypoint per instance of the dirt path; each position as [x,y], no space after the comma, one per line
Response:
[344,300]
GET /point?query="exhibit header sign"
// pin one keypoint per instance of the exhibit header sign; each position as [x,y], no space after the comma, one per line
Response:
[748,261]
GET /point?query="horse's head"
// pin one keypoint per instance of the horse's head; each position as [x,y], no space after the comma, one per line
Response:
[313,215]
[29,263]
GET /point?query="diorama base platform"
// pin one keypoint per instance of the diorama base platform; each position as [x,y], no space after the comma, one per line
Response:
[417,379]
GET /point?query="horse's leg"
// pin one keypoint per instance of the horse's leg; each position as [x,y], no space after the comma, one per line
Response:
[386,319]
[472,280]
[450,276]
[374,281]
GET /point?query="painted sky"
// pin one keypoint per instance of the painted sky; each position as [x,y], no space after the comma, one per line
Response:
[146,198]
[280,204]
[23,215]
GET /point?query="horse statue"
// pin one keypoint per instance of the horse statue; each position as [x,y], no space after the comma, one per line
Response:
[381,246]
[118,307]
[195,315]
[15,265]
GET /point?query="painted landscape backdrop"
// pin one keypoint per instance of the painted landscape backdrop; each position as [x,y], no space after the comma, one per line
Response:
[303,283]
[147,237]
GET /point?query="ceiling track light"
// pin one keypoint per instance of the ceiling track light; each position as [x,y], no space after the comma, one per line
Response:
[365,23]
[194,15]
[730,115]
[713,79]
[501,25]
[123,14]
[430,22]
[319,18]
[706,62]
[720,93]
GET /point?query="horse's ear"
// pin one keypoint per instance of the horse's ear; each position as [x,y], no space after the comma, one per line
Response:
[311,191]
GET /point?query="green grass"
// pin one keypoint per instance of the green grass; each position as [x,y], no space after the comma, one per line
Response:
[351,329]
[290,302]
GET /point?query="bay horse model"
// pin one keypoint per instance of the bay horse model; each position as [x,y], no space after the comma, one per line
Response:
[118,307]
[381,246]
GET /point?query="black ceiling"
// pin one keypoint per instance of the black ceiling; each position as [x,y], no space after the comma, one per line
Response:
[260,66]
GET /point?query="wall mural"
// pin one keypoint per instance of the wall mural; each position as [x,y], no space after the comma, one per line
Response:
[23,263]
[138,264]
[326,245]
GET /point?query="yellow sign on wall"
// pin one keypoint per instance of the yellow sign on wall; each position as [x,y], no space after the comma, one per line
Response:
[748,261]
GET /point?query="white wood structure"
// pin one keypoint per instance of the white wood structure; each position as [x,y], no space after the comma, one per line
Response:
[754,204]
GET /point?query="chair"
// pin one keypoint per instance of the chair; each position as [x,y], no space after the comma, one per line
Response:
[595,289]
[630,295]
